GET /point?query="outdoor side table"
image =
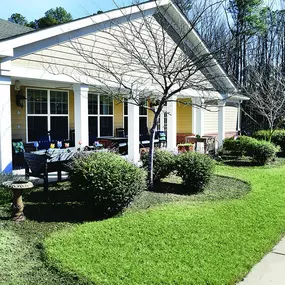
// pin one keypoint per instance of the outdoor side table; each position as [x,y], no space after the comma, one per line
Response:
[17,188]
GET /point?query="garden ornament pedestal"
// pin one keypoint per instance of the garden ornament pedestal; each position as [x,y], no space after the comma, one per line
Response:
[17,188]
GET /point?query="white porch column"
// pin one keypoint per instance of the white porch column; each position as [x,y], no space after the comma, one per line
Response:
[221,122]
[5,126]
[161,121]
[172,124]
[81,114]
[238,117]
[133,132]
[200,122]
[194,116]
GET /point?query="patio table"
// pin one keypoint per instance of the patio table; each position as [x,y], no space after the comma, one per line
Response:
[44,161]
[113,141]
[208,141]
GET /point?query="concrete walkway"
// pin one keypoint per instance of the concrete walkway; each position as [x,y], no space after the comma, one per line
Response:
[270,270]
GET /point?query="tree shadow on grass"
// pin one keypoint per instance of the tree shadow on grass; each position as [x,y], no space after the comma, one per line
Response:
[173,188]
[240,163]
[59,205]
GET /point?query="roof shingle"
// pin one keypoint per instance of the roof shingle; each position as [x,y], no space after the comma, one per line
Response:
[9,29]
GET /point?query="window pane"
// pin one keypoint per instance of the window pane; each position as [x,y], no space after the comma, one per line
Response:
[92,104]
[143,126]
[125,107]
[59,128]
[106,105]
[93,129]
[37,101]
[58,102]
[143,110]
[165,123]
[126,125]
[106,126]
[37,128]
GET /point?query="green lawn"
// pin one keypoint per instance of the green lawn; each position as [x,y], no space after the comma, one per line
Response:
[183,242]
[22,259]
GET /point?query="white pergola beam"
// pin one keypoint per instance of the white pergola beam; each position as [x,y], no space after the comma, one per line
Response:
[200,118]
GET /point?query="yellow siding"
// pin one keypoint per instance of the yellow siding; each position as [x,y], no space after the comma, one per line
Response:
[230,119]
[184,116]
[18,116]
[211,120]
[150,116]
[118,115]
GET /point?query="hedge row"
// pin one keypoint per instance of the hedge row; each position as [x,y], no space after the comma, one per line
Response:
[278,137]
[260,151]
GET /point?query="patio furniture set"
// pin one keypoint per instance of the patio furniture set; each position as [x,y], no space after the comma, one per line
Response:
[38,163]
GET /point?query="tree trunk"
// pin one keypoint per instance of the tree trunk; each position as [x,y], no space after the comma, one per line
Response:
[150,159]
[151,145]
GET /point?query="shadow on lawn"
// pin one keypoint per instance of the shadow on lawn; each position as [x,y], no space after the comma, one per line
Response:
[58,205]
[240,163]
[174,188]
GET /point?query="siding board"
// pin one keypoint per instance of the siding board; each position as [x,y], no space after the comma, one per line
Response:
[184,117]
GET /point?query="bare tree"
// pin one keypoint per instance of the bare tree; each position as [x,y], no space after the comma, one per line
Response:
[145,56]
[266,91]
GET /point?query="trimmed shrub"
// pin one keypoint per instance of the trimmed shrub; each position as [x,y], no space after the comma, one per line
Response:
[229,144]
[239,146]
[278,137]
[109,182]
[195,169]
[262,135]
[163,163]
[260,151]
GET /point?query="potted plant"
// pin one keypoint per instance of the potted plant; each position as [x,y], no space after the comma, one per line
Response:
[182,147]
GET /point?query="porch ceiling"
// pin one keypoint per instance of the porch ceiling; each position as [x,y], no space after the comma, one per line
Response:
[43,83]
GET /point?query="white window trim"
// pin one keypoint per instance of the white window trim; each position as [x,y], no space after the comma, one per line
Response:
[48,115]
[124,115]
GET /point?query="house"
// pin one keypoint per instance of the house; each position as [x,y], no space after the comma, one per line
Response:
[42,65]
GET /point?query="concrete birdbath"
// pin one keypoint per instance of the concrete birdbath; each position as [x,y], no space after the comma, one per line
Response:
[17,188]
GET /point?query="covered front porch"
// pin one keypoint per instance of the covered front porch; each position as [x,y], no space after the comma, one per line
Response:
[73,113]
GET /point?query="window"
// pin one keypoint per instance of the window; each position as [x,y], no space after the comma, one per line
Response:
[58,102]
[142,117]
[162,119]
[126,116]
[100,119]
[47,112]
[37,101]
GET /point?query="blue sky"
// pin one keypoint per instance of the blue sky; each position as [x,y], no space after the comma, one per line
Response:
[34,9]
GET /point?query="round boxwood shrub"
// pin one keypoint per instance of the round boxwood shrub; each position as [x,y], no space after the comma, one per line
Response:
[278,137]
[261,151]
[239,146]
[109,182]
[163,163]
[195,169]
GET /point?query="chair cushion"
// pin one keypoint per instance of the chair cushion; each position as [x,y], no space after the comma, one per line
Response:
[18,147]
